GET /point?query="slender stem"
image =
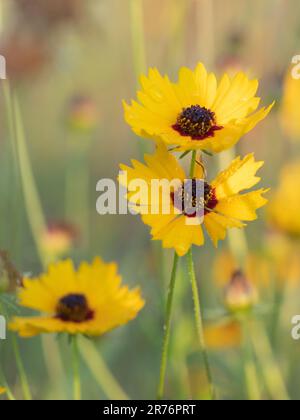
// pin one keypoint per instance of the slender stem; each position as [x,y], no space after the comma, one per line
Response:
[101,372]
[199,323]
[76,370]
[167,329]
[270,370]
[8,391]
[193,164]
[21,370]
[32,201]
[34,209]
[251,379]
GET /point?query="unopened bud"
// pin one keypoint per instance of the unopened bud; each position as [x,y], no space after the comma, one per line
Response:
[240,295]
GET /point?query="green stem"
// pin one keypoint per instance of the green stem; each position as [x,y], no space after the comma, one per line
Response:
[193,164]
[76,370]
[32,201]
[101,372]
[199,323]
[21,370]
[33,207]
[251,379]
[270,370]
[167,329]
[9,392]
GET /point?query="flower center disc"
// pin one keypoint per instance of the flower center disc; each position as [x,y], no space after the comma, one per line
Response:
[74,308]
[188,200]
[197,122]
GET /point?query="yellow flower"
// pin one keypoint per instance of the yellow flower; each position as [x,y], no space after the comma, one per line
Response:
[290,111]
[91,301]
[2,390]
[224,206]
[284,207]
[223,335]
[196,112]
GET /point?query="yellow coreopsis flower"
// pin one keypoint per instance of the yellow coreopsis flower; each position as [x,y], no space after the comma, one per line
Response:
[197,112]
[91,301]
[290,110]
[224,206]
[223,335]
[284,207]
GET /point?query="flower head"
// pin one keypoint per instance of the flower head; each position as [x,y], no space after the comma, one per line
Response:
[224,206]
[2,390]
[196,112]
[90,301]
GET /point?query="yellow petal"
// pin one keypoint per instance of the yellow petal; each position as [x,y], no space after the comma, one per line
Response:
[243,207]
[240,175]
[217,225]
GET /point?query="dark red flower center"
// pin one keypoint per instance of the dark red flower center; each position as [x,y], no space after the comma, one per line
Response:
[197,122]
[195,198]
[73,308]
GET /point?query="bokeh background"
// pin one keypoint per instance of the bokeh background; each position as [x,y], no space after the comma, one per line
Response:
[70,64]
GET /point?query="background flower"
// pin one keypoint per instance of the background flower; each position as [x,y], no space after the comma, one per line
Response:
[90,301]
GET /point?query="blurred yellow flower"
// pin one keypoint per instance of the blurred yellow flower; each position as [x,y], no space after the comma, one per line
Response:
[223,335]
[284,207]
[257,269]
[290,110]
[284,259]
[2,390]
[196,112]
[224,206]
[90,301]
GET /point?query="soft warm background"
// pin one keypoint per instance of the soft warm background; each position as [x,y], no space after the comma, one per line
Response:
[96,48]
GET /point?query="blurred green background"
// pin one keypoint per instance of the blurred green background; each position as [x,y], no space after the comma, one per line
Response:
[59,51]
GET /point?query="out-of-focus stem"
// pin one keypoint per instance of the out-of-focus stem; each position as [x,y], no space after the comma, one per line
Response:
[76,370]
[31,197]
[270,370]
[34,210]
[21,370]
[100,371]
[251,379]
